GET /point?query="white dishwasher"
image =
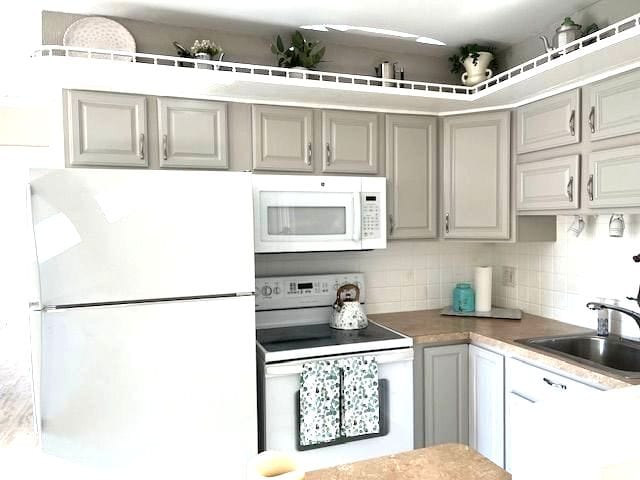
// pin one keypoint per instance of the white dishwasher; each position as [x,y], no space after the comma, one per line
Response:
[293,329]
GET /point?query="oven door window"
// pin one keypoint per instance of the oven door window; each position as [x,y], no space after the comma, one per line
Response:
[309,216]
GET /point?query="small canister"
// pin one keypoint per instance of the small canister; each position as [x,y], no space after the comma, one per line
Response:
[464,298]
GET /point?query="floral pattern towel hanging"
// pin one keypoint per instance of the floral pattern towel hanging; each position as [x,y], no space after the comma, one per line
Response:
[360,396]
[319,402]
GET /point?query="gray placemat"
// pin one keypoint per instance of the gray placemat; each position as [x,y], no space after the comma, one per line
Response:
[502,313]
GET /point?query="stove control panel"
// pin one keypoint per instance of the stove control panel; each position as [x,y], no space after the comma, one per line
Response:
[303,291]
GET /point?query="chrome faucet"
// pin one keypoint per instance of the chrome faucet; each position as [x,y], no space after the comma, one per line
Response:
[626,311]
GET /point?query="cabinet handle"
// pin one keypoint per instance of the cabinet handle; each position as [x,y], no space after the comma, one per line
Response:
[309,153]
[391,225]
[165,150]
[553,384]
[590,187]
[570,189]
[328,154]
[141,147]
[592,116]
[446,223]
[572,122]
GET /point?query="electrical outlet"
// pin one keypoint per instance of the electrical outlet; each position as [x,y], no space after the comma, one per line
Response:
[509,276]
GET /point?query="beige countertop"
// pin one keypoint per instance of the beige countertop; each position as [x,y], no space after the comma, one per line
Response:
[442,462]
[429,328]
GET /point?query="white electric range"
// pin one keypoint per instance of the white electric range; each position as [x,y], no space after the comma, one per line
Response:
[292,321]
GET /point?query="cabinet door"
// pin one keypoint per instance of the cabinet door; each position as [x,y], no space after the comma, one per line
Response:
[614,176]
[106,129]
[486,403]
[612,108]
[411,172]
[192,133]
[446,394]
[552,122]
[476,171]
[282,138]
[549,184]
[350,142]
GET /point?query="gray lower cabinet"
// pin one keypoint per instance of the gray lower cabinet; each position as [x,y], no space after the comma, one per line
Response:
[548,123]
[411,176]
[476,176]
[105,129]
[192,133]
[611,106]
[446,394]
[552,184]
[486,403]
[350,142]
[614,177]
[282,138]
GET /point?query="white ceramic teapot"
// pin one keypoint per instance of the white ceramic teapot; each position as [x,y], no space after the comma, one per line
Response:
[347,313]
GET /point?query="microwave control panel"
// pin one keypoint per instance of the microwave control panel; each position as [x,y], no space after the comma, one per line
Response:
[370,215]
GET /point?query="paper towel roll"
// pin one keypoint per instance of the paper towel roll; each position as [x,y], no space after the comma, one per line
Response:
[482,286]
[275,466]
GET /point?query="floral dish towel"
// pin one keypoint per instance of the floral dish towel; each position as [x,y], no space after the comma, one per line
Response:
[319,402]
[360,396]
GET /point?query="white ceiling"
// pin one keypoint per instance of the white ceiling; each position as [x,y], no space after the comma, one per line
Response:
[498,22]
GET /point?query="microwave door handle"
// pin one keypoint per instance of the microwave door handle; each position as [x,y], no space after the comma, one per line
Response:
[357,217]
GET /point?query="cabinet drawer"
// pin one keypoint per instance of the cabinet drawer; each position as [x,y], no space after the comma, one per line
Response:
[536,384]
[548,123]
[549,184]
[612,108]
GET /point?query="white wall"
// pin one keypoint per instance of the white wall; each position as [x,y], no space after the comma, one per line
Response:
[604,13]
[556,280]
[408,275]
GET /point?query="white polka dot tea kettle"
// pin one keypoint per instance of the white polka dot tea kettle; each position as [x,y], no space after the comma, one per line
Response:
[347,313]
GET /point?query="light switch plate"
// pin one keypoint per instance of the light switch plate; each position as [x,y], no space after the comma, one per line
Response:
[509,276]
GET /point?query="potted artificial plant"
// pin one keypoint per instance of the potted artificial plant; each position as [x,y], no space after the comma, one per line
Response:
[300,54]
[205,50]
[476,63]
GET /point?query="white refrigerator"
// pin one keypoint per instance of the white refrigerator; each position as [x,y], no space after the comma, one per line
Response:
[143,328]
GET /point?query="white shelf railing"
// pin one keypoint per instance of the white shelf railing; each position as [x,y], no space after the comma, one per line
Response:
[618,32]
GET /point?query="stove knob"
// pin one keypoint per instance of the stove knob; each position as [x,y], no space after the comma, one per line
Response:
[276,290]
[266,291]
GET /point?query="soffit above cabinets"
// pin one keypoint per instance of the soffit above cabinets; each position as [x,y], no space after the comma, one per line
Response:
[610,51]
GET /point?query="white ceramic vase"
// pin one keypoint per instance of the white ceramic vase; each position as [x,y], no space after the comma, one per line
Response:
[479,72]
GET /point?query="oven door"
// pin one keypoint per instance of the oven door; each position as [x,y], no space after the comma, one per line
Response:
[298,221]
[278,415]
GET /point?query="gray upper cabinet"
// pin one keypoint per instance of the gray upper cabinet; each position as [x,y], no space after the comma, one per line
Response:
[350,142]
[614,177]
[192,133]
[552,122]
[411,173]
[476,177]
[106,129]
[612,106]
[282,138]
[552,184]
[446,395]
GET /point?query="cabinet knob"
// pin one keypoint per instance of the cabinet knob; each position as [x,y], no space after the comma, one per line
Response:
[590,187]
[309,153]
[328,154]
[446,223]
[592,119]
[165,150]
[553,384]
[391,225]
[570,189]
[141,147]
[572,122]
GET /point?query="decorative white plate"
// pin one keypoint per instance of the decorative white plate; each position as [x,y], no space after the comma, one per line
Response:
[99,32]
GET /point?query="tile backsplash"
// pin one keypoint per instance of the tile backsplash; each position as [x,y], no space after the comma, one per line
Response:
[556,280]
[407,275]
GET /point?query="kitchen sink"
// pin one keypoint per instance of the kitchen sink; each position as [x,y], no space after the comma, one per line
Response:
[613,354]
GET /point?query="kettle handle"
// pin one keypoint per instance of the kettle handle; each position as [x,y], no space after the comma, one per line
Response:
[345,287]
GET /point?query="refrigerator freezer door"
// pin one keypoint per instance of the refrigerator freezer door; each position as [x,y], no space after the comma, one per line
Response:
[153,385]
[119,235]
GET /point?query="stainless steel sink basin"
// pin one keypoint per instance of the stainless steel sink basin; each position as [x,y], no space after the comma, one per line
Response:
[612,353]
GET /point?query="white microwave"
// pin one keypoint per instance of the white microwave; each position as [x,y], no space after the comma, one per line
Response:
[295,213]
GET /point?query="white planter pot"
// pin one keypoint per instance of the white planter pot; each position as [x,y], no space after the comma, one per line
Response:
[478,72]
[204,56]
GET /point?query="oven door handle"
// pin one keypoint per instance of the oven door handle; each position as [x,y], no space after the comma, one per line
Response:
[295,367]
